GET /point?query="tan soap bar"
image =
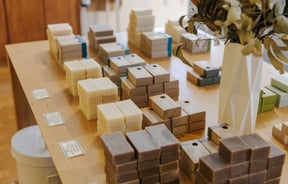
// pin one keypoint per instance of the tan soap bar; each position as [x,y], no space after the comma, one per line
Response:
[220,132]
[118,147]
[131,89]
[169,176]
[169,157]
[260,149]
[144,145]
[141,11]
[101,30]
[111,74]
[119,64]
[182,129]
[164,106]
[150,117]
[209,145]
[155,89]
[169,166]
[240,169]
[205,69]
[171,84]
[159,74]
[234,150]
[70,45]
[59,29]
[276,156]
[135,60]
[193,126]
[140,100]
[285,128]
[180,120]
[145,164]
[164,138]
[277,132]
[215,168]
[195,113]
[139,76]
[143,20]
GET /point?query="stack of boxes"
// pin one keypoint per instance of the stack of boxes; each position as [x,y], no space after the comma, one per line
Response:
[123,116]
[156,44]
[173,28]
[145,81]
[118,65]
[204,74]
[93,92]
[112,49]
[280,131]
[194,44]
[80,70]
[279,86]
[267,100]
[98,34]
[141,20]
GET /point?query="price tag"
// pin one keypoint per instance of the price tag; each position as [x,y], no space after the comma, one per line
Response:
[71,148]
[40,93]
[54,118]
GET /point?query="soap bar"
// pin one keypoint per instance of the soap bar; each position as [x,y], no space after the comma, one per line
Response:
[258,177]
[205,69]
[277,132]
[239,180]
[151,179]
[180,120]
[164,138]
[258,165]
[164,106]
[144,145]
[131,89]
[59,29]
[220,132]
[282,96]
[145,164]
[273,181]
[182,129]
[169,157]
[123,178]
[196,79]
[209,145]
[260,149]
[148,172]
[120,168]
[118,148]
[274,172]
[173,93]
[215,168]
[193,126]
[280,82]
[234,150]
[93,69]
[240,169]
[139,76]
[119,64]
[169,176]
[111,74]
[195,113]
[101,30]
[201,179]
[159,74]
[109,98]
[150,117]
[268,97]
[141,11]
[169,166]
[140,100]
[285,128]
[276,157]
[135,60]
[155,89]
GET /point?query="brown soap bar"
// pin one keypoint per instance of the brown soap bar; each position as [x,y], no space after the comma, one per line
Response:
[285,128]
[159,74]
[131,89]
[170,157]
[171,84]
[110,180]
[169,176]
[215,168]
[274,172]
[151,179]
[149,172]
[155,89]
[169,166]
[273,181]
[175,181]
[145,146]
[210,128]
[276,156]
[173,93]
[164,138]
[180,130]
[180,120]
[121,168]
[260,149]
[258,177]
[201,179]
[221,132]
[234,150]
[124,177]
[119,64]
[257,165]
[150,117]
[239,180]
[145,164]
[118,148]
[209,145]
[139,76]
[195,113]
[140,100]
[240,169]
[193,126]
[277,132]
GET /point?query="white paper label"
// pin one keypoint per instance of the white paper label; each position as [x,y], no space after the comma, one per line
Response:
[54,118]
[71,148]
[40,93]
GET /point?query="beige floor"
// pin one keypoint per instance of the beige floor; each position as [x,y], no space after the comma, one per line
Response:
[162,9]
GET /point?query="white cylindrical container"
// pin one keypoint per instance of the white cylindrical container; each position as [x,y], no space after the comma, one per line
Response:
[33,161]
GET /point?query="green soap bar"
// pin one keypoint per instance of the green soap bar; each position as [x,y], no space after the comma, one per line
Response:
[268,97]
[267,107]
[282,96]
[280,82]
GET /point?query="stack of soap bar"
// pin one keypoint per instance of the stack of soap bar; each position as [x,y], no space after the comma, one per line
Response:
[280,131]
[173,28]
[204,74]
[93,92]
[169,153]
[194,44]
[197,116]
[123,116]
[150,117]
[98,34]
[111,49]
[70,49]
[80,70]
[120,161]
[282,96]
[140,20]
[156,44]
[222,131]
[146,151]
[267,100]
[171,88]
[55,30]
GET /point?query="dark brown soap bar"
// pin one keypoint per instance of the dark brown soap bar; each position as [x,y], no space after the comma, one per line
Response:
[148,172]
[121,168]
[170,157]
[111,180]
[260,149]
[273,181]
[258,177]
[124,177]
[201,179]
[169,176]
[258,165]
[164,138]
[169,166]
[150,179]
[234,150]
[145,146]
[118,148]
[243,179]
[145,164]
[240,169]
[274,172]
[215,168]
[276,156]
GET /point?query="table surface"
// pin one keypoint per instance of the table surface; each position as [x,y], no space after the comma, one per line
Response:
[35,68]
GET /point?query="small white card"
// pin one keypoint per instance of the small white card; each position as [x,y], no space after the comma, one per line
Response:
[71,148]
[54,118]
[40,93]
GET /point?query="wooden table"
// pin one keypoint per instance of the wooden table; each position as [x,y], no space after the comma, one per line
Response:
[32,67]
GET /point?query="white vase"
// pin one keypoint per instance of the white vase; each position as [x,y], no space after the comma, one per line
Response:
[239,89]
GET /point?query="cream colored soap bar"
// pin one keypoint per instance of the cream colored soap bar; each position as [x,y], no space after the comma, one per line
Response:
[93,69]
[159,74]
[141,11]
[107,87]
[110,118]
[143,20]
[59,29]
[119,64]
[133,115]
[139,76]
[135,60]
